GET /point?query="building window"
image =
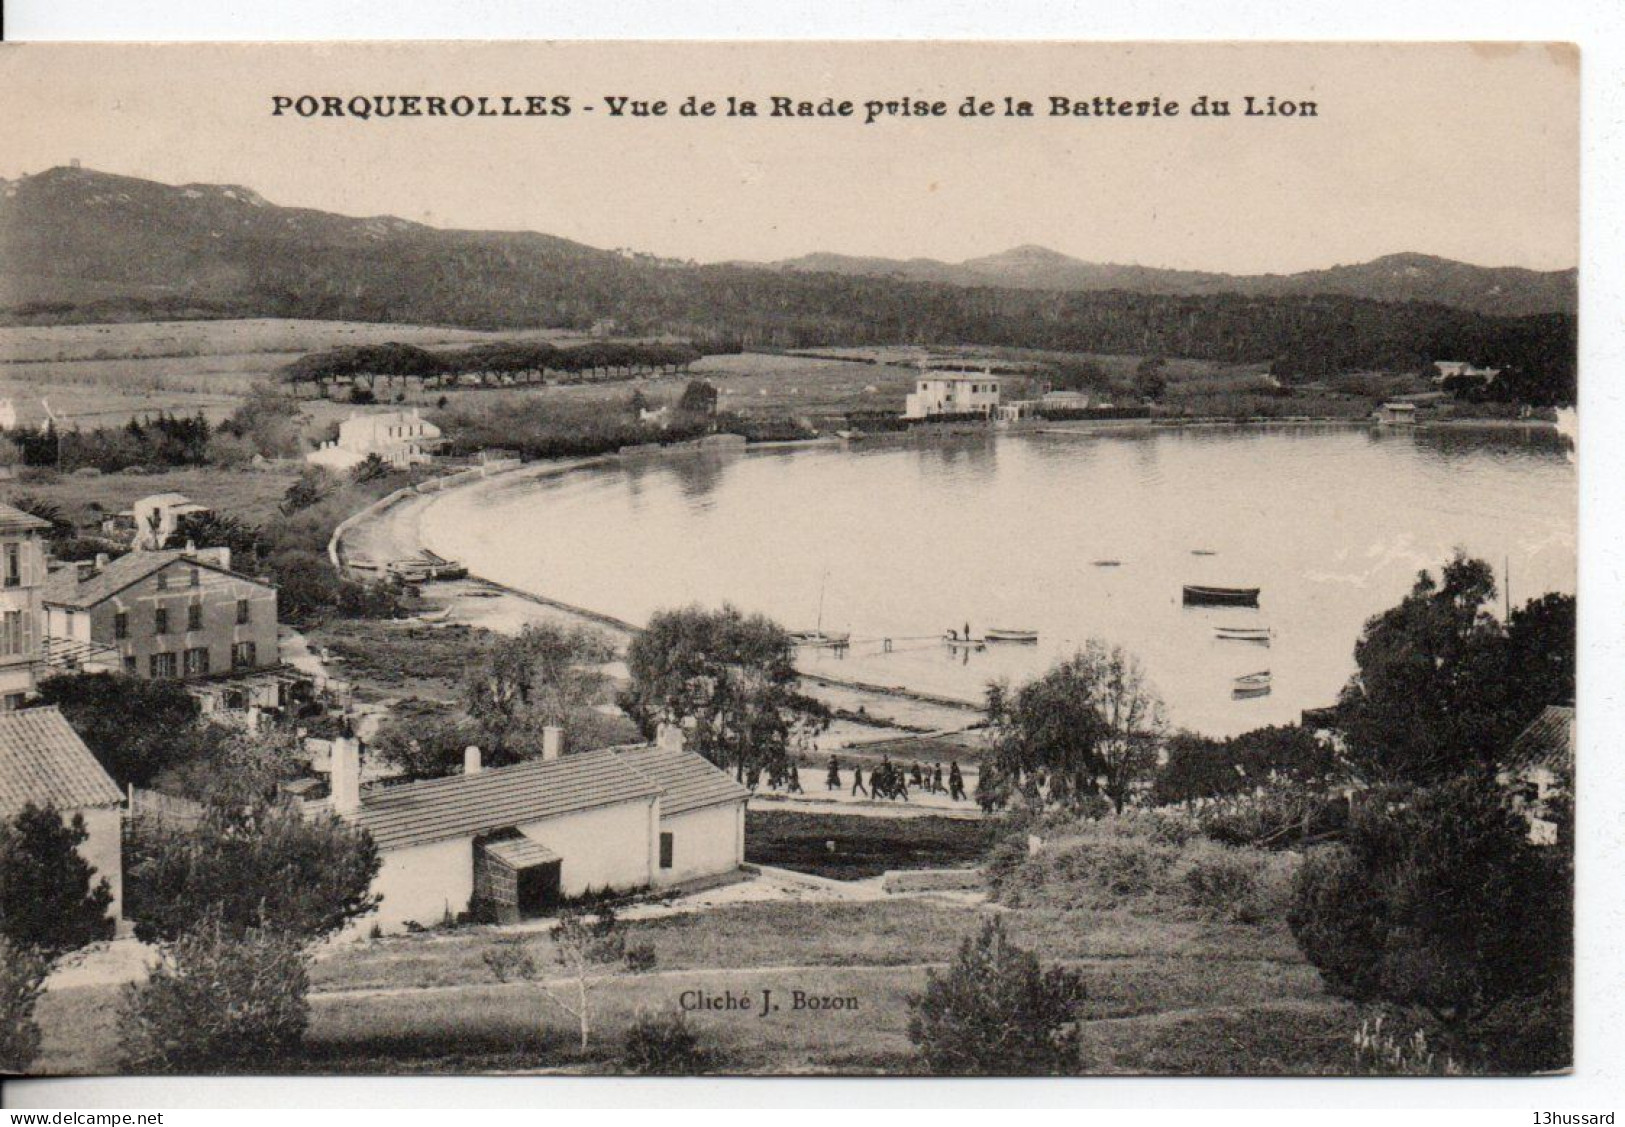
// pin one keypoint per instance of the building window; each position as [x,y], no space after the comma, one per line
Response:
[197,579]
[161,666]
[121,624]
[14,565]
[194,616]
[197,661]
[242,612]
[665,851]
[160,620]
[163,581]
[12,641]
[243,656]
[129,665]
[14,701]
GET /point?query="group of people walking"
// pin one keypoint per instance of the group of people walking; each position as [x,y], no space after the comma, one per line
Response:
[888,780]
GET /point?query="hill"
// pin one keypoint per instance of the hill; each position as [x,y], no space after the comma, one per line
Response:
[1504,291]
[78,245]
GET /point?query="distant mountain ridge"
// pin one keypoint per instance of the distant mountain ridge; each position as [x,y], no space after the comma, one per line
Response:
[84,246]
[1500,290]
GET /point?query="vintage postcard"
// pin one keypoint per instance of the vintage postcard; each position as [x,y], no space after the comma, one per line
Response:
[763,558]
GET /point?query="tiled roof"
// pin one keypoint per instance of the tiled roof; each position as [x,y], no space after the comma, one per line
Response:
[43,761]
[521,852]
[15,520]
[1547,742]
[63,587]
[496,798]
[687,781]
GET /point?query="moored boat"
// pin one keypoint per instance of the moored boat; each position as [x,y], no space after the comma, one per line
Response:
[1108,563]
[966,643]
[1200,596]
[1261,634]
[827,639]
[1001,634]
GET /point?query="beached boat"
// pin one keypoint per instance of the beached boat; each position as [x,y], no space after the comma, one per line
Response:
[999,634]
[1199,596]
[1108,563]
[1261,634]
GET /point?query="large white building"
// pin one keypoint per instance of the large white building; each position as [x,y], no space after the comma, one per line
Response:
[401,438]
[953,393]
[514,841]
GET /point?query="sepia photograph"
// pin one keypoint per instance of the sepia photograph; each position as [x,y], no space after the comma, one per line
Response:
[881,559]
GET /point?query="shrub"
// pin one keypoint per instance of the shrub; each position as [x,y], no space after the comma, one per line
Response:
[1095,870]
[663,1045]
[1442,905]
[48,901]
[996,1012]
[217,1002]
[1378,1051]
[133,727]
[1224,883]
[22,980]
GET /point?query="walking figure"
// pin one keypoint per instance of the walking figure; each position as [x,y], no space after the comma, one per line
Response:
[792,781]
[832,780]
[956,782]
[917,777]
[936,781]
[857,780]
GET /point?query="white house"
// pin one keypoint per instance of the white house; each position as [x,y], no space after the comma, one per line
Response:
[22,571]
[1538,770]
[401,438]
[515,840]
[156,518]
[953,393]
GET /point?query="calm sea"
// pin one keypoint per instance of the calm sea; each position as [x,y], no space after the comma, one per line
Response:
[902,542]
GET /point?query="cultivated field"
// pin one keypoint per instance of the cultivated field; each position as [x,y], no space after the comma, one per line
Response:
[1166,995]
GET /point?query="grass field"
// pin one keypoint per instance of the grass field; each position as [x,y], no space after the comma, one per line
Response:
[250,495]
[863,847]
[1166,995]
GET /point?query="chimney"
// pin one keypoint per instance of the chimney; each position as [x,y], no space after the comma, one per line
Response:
[670,737]
[471,760]
[345,775]
[101,561]
[552,742]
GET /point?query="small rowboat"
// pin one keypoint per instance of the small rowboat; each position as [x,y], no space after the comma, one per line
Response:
[1252,684]
[1197,596]
[1108,563]
[955,642]
[1260,634]
[1203,552]
[997,634]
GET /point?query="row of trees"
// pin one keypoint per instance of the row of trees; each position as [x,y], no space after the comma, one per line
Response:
[526,361]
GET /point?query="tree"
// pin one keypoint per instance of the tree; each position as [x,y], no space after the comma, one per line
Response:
[996,1012]
[46,510]
[699,398]
[1441,686]
[220,1000]
[1197,767]
[1090,726]
[429,746]
[1150,380]
[135,728]
[544,675]
[234,768]
[265,866]
[22,981]
[370,468]
[315,483]
[729,680]
[587,950]
[219,530]
[50,899]
[1442,904]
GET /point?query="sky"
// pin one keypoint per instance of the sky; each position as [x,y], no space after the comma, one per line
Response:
[1465,151]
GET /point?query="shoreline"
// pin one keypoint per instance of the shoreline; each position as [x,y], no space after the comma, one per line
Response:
[391,527]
